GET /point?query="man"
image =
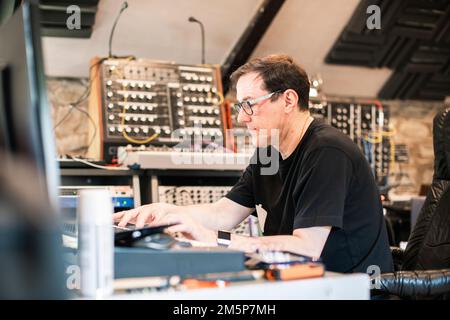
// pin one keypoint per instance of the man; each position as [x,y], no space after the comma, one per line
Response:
[322,202]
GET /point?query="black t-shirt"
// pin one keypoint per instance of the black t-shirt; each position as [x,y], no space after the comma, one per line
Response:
[326,181]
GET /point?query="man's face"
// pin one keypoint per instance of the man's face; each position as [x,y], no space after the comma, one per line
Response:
[267,116]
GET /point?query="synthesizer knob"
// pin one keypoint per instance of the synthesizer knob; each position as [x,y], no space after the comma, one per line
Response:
[127,107]
[215,101]
[203,121]
[214,90]
[339,118]
[216,111]
[111,117]
[110,106]
[181,122]
[202,111]
[128,129]
[209,111]
[208,100]
[180,113]
[210,122]
[219,133]
[143,119]
[201,99]
[195,78]
[133,96]
[194,99]
[209,79]
[167,131]
[344,131]
[199,89]
[135,119]
[147,86]
[142,108]
[185,88]
[136,130]
[157,130]
[132,85]
[127,118]
[140,86]
[134,107]
[195,121]
[338,110]
[142,97]
[217,122]
[179,103]
[202,78]
[120,129]
[367,116]
[151,120]
[109,83]
[145,130]
[110,94]
[112,129]
[186,99]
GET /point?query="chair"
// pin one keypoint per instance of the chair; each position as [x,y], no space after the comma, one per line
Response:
[423,268]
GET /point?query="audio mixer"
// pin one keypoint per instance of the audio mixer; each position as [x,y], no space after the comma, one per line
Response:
[146,102]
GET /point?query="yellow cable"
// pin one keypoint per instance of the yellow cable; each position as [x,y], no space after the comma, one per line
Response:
[122,121]
[221,98]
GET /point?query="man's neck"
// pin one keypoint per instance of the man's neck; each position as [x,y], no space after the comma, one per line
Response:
[293,133]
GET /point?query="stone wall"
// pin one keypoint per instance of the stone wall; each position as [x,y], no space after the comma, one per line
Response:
[71,130]
[413,125]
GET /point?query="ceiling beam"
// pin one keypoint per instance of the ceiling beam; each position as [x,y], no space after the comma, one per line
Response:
[249,39]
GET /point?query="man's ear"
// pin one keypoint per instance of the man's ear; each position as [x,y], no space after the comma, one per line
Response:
[291,100]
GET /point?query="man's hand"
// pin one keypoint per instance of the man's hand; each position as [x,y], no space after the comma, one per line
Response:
[189,227]
[151,213]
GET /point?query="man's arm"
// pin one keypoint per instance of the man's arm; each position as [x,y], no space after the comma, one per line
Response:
[224,214]
[305,241]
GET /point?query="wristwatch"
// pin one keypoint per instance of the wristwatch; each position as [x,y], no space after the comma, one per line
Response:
[223,238]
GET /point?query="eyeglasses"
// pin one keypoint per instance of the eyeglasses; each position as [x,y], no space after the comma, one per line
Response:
[248,104]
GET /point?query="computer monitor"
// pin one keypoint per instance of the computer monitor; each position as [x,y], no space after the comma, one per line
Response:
[30,252]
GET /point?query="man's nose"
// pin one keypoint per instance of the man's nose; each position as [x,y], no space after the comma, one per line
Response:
[243,117]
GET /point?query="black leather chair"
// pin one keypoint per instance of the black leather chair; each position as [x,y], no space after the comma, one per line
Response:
[423,268]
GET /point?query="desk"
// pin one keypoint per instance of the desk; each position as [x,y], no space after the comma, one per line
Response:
[331,286]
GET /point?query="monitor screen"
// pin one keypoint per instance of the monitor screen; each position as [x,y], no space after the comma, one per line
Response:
[30,241]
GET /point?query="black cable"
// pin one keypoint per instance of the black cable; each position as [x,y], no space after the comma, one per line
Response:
[83,96]
[63,119]
[122,9]
[202,28]
[93,124]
